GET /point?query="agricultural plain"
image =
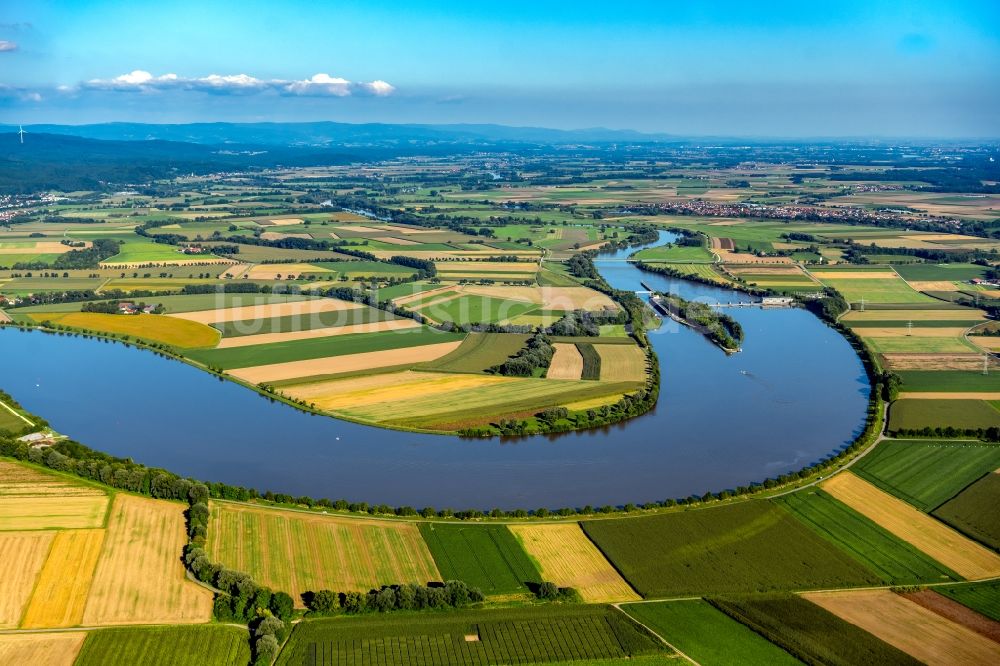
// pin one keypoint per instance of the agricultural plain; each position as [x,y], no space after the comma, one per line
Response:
[958,553]
[139,577]
[488,557]
[566,557]
[301,552]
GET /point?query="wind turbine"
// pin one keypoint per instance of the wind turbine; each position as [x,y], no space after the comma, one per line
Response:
[20,131]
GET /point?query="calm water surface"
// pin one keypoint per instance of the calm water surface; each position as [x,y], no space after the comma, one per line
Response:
[794,394]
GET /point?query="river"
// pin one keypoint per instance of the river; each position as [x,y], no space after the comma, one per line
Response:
[796,393]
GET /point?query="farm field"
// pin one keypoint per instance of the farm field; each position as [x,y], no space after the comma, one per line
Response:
[742,548]
[974,510]
[33,500]
[302,322]
[674,253]
[895,561]
[478,352]
[949,381]
[488,557]
[983,598]
[927,473]
[462,400]
[59,649]
[143,252]
[211,645]
[567,363]
[621,363]
[958,553]
[916,414]
[921,633]
[873,287]
[156,328]
[810,632]
[24,553]
[319,348]
[220,315]
[139,577]
[509,636]
[566,557]
[63,585]
[707,635]
[302,552]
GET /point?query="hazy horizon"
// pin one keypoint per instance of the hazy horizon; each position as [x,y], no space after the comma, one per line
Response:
[824,70]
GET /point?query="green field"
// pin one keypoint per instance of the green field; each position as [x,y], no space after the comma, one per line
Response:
[740,548]
[707,635]
[512,636]
[927,473]
[299,350]
[9,421]
[887,290]
[950,381]
[487,557]
[811,633]
[917,414]
[974,511]
[303,322]
[365,268]
[981,597]
[476,310]
[919,345]
[405,289]
[142,251]
[478,352]
[195,645]
[895,561]
[674,253]
[950,272]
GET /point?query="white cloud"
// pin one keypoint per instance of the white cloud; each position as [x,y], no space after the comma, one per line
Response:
[319,85]
[6,46]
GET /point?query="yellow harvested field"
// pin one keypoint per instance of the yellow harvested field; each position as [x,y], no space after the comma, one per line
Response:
[390,388]
[452,255]
[903,361]
[158,328]
[51,649]
[550,298]
[357,228]
[988,342]
[421,295]
[278,271]
[348,363]
[903,332]
[63,586]
[729,257]
[140,578]
[566,363]
[34,500]
[963,314]
[40,247]
[22,555]
[622,363]
[943,395]
[960,554]
[235,271]
[917,631]
[248,312]
[269,338]
[284,221]
[933,285]
[855,275]
[17,480]
[765,270]
[569,559]
[275,235]
[397,241]
[298,552]
[486,266]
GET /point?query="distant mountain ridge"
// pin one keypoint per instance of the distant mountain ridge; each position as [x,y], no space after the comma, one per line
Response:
[327,134]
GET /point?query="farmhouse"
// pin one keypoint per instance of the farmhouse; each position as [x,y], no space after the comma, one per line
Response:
[39,439]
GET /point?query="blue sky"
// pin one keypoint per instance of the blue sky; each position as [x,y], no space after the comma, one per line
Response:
[694,68]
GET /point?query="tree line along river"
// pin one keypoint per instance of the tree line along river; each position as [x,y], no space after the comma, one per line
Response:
[795,393]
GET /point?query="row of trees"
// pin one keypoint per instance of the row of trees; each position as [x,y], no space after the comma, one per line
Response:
[452,594]
[536,354]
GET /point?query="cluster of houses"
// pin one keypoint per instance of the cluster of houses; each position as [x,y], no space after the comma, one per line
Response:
[40,440]
[984,282]
[126,307]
